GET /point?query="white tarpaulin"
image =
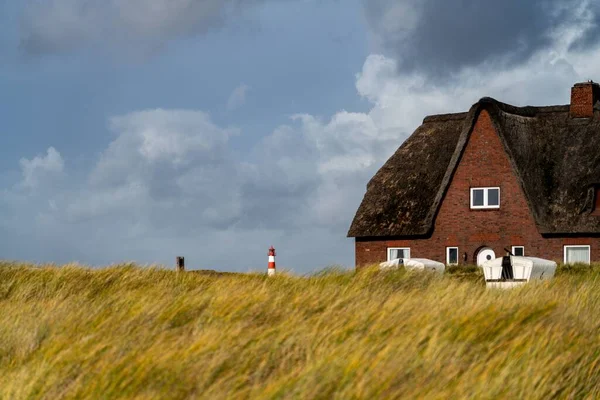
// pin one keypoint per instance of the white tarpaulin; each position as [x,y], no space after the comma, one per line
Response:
[412,264]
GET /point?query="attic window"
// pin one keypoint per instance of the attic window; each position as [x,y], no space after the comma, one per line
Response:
[485,198]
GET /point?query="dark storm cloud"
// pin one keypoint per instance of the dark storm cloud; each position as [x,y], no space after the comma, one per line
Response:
[441,36]
[52,26]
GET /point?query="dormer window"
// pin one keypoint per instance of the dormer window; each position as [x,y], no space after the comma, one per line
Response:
[485,198]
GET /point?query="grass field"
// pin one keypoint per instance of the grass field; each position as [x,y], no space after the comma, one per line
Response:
[130,332]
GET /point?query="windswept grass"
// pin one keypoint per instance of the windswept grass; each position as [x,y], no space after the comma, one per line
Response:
[130,332]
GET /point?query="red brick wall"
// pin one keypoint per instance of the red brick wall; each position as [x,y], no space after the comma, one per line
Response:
[582,100]
[484,163]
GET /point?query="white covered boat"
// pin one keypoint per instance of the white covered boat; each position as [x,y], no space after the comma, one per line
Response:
[511,271]
[412,264]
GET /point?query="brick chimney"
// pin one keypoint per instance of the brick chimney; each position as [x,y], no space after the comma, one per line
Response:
[583,97]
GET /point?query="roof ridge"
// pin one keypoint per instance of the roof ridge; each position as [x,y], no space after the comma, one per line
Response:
[445,117]
[524,111]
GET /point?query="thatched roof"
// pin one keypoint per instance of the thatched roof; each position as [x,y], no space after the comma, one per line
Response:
[556,159]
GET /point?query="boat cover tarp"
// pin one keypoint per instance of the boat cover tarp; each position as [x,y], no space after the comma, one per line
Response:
[412,264]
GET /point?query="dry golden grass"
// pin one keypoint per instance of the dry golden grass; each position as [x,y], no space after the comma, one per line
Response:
[129,332]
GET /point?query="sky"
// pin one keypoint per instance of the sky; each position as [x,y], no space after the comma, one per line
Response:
[142,130]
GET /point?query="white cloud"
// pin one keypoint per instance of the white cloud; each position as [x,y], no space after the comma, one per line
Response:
[162,161]
[40,168]
[238,97]
[174,136]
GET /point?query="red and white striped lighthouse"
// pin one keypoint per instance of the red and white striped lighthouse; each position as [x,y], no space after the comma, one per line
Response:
[271,261]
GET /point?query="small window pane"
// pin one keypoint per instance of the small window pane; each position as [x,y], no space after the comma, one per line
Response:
[478,197]
[577,255]
[399,253]
[453,255]
[493,197]
[519,251]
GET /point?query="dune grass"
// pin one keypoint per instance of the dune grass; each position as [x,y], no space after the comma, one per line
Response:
[145,333]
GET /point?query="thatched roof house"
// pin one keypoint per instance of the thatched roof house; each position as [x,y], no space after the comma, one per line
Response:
[494,177]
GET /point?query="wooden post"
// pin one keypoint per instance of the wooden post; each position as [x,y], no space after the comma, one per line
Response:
[180,264]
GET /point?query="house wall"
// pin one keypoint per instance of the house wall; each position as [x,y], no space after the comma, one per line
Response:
[484,163]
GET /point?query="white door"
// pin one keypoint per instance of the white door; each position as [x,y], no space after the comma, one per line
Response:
[484,255]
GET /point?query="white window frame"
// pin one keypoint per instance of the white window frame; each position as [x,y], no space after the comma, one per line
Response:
[448,255]
[565,247]
[518,247]
[389,251]
[485,205]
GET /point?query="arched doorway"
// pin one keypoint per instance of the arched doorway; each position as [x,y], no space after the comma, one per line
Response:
[485,254]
